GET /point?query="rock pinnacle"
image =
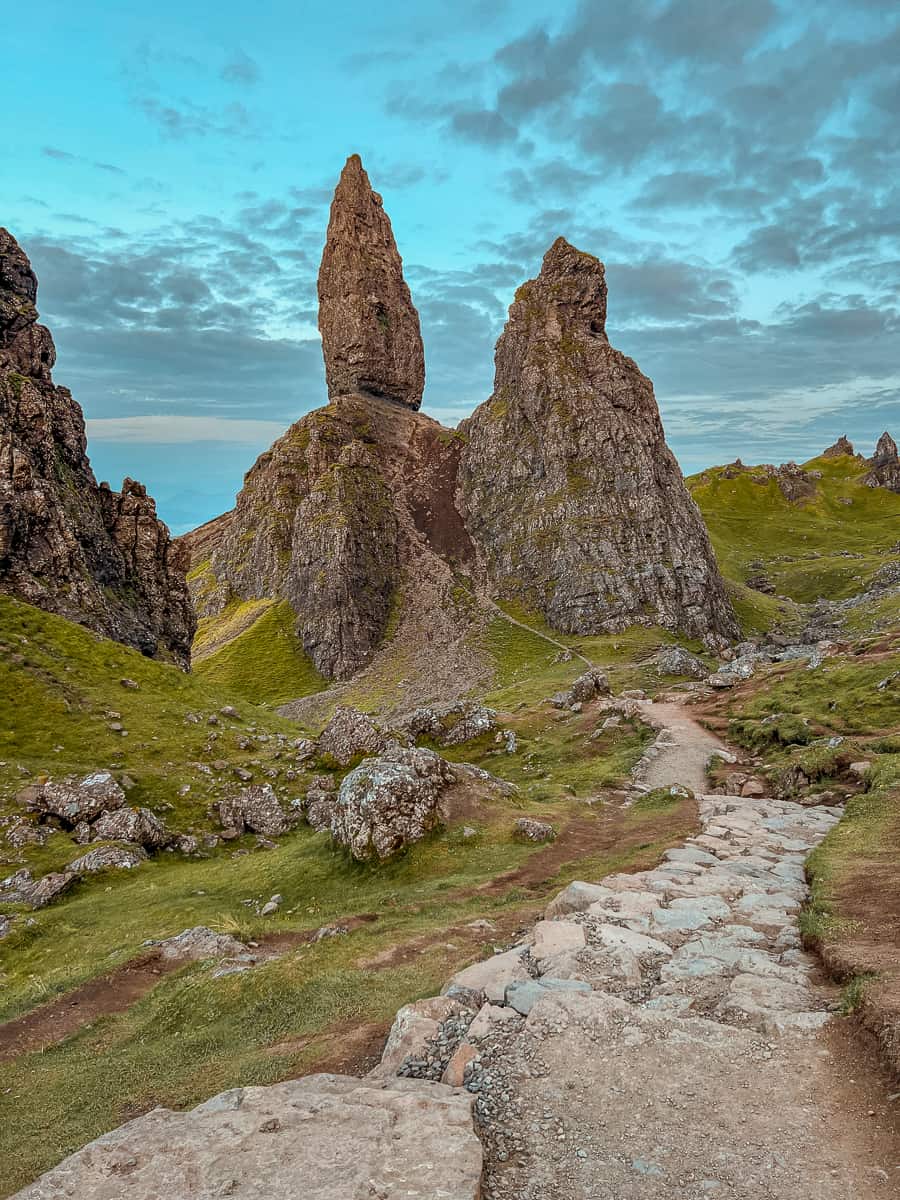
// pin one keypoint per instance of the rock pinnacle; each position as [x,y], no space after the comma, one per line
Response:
[370,328]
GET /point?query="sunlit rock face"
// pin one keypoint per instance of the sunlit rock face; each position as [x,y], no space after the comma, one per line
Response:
[574,502]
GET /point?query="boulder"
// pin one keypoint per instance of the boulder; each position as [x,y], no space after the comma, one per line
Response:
[327,1137]
[414,1026]
[255,808]
[72,802]
[675,660]
[348,734]
[448,724]
[527,829]
[48,887]
[320,802]
[109,857]
[593,682]
[137,825]
[389,802]
[200,943]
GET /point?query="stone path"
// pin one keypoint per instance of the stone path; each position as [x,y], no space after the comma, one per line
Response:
[657,1034]
[682,747]
[663,1035]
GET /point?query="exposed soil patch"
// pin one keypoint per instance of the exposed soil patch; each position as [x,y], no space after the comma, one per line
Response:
[110,993]
[117,990]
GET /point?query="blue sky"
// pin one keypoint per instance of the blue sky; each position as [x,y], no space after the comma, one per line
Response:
[734,163]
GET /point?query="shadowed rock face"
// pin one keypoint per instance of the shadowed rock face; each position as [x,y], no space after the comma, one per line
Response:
[95,556]
[370,329]
[573,500]
[350,500]
[885,465]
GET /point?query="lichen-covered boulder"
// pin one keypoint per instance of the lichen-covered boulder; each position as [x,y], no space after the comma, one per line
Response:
[104,858]
[137,825]
[593,682]
[448,724]
[527,829]
[73,802]
[349,733]
[675,660]
[255,808]
[389,802]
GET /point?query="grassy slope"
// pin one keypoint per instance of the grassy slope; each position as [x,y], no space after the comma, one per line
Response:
[821,547]
[264,662]
[194,1035]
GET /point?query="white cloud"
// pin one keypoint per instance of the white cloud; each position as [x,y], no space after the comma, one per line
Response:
[172,430]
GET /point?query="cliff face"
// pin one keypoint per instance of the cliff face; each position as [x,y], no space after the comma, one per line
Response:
[336,518]
[568,489]
[884,465]
[370,329]
[95,556]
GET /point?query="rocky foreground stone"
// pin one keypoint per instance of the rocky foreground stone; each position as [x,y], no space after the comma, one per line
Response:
[92,555]
[326,1136]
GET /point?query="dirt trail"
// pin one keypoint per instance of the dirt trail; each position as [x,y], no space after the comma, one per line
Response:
[488,603]
[683,758]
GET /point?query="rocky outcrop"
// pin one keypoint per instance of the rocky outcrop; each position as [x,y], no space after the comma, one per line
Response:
[353,500]
[370,329]
[560,491]
[94,556]
[884,465]
[841,447]
[331,1137]
[568,489]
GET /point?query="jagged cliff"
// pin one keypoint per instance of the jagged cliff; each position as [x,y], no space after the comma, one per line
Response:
[884,465]
[567,486]
[332,518]
[560,490]
[67,544]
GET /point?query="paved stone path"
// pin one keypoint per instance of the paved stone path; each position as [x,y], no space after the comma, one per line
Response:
[663,1036]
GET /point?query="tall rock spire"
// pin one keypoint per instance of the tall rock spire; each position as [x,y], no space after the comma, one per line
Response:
[574,501]
[370,328]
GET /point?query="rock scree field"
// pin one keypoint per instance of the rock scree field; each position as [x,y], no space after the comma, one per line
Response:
[484,813]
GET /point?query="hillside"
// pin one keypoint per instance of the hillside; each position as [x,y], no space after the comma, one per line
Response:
[827,539]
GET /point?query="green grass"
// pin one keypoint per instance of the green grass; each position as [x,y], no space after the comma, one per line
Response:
[820,547]
[264,662]
[59,685]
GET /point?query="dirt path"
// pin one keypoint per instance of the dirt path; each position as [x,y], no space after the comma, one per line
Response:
[488,603]
[682,756]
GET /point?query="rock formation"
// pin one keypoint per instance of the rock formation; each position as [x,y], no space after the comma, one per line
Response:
[884,465]
[559,491]
[568,489]
[842,446]
[370,329]
[95,556]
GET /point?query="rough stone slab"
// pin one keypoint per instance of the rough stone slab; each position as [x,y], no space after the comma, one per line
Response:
[551,938]
[324,1137]
[577,897]
[493,975]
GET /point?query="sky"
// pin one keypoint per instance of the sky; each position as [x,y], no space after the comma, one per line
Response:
[733,162]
